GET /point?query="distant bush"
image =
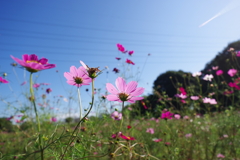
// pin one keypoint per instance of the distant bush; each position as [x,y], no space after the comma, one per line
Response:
[69,120]
[6,125]
[26,125]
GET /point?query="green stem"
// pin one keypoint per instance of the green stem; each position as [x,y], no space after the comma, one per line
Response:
[122,116]
[36,113]
[72,138]
[80,102]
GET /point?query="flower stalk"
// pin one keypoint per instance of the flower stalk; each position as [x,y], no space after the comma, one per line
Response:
[72,138]
[37,117]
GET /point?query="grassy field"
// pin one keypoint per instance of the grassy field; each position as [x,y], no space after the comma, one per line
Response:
[189,138]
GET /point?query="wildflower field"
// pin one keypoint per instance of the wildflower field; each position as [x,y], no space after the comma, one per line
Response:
[200,121]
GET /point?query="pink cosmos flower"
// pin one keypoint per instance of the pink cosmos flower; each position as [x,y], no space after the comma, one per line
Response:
[220,156]
[219,72]
[150,130]
[124,92]
[181,96]
[115,70]
[225,136]
[18,121]
[121,48]
[116,116]
[186,117]
[36,85]
[177,116]
[167,143]
[208,77]
[183,101]
[118,58]
[215,68]
[238,54]
[48,90]
[130,53]
[157,140]
[188,135]
[197,74]
[130,62]
[54,119]
[227,92]
[116,135]
[166,115]
[32,64]
[77,76]
[232,72]
[194,98]
[209,100]
[2,80]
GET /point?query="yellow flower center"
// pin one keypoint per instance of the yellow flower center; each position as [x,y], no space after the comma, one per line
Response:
[32,61]
[78,80]
[123,96]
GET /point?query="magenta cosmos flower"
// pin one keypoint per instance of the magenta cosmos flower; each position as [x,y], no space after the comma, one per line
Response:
[33,64]
[2,80]
[124,92]
[166,115]
[129,62]
[121,48]
[77,76]
[130,53]
[219,72]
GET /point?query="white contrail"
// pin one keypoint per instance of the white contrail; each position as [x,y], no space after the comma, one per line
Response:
[229,7]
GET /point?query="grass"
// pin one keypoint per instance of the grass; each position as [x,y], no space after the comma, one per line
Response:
[198,138]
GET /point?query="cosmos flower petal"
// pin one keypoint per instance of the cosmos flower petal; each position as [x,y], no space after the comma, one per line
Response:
[68,75]
[43,61]
[137,92]
[133,99]
[84,65]
[111,89]
[21,62]
[49,66]
[82,71]
[74,71]
[131,86]
[112,97]
[121,84]
[33,57]
[137,98]
[25,57]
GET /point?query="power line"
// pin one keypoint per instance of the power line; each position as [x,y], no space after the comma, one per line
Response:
[69,53]
[78,36]
[85,41]
[107,62]
[97,29]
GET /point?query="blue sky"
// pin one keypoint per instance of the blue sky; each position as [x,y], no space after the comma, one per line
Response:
[66,32]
